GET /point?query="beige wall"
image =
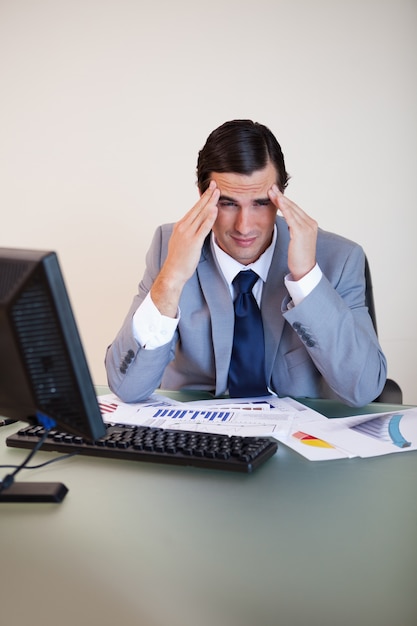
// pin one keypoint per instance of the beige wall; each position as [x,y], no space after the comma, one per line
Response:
[104,105]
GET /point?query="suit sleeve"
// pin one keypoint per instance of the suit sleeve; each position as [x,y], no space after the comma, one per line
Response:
[134,373]
[337,331]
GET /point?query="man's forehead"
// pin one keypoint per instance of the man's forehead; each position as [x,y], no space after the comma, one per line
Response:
[259,182]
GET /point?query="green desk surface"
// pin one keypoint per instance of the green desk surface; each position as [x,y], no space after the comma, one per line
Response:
[296,543]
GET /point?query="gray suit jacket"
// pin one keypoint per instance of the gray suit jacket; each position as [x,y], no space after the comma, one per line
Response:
[325,347]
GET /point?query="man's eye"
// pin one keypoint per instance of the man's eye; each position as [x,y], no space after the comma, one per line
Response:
[262,203]
[226,203]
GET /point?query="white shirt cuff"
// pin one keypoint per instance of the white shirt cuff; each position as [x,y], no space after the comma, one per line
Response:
[151,329]
[299,289]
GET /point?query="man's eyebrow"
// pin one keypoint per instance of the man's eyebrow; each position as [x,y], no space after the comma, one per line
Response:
[265,200]
[227,198]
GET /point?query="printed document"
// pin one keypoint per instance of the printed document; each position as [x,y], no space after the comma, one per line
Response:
[301,428]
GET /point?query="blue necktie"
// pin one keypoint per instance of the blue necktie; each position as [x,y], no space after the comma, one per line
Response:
[247,363]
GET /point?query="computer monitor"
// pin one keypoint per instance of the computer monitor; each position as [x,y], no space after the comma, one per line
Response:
[43,369]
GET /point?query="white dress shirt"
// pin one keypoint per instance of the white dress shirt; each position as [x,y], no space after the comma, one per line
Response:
[152,330]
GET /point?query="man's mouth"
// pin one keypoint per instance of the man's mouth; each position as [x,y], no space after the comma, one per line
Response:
[244,242]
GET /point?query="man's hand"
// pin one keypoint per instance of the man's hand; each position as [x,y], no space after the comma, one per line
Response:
[184,250]
[303,234]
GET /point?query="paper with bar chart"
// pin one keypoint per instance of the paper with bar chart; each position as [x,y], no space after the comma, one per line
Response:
[276,417]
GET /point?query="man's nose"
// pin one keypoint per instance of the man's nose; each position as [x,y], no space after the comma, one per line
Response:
[243,221]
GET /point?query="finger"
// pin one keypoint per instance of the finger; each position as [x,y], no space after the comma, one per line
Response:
[204,218]
[206,203]
[283,204]
[274,194]
[198,222]
[211,196]
[292,213]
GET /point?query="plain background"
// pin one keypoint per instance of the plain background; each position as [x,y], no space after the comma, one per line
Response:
[104,106]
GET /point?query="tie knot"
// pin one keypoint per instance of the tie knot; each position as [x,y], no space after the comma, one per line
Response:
[245,280]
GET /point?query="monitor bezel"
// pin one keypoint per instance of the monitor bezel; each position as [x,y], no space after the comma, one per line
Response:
[46,262]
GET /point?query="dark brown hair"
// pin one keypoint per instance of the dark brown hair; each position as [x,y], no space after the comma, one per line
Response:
[241,147]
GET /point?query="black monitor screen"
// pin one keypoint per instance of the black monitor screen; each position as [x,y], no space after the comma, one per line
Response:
[43,369]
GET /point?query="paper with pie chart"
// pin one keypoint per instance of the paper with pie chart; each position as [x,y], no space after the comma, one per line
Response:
[314,448]
[372,434]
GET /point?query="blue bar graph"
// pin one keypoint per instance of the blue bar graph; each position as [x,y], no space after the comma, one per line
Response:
[192,414]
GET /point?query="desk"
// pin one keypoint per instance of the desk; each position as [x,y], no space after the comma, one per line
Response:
[294,544]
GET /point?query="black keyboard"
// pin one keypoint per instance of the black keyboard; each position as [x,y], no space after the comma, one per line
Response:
[141,443]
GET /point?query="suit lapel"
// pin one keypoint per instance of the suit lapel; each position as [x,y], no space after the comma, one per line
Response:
[273,294]
[219,302]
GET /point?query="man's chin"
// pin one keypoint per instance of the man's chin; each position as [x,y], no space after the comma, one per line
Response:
[245,256]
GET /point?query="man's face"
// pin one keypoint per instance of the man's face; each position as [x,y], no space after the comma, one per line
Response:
[245,221]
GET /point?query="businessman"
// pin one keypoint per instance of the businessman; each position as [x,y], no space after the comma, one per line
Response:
[245,294]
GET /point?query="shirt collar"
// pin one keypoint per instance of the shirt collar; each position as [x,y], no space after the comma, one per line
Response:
[230,267]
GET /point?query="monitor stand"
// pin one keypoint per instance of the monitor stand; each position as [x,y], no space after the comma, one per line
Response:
[34,492]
